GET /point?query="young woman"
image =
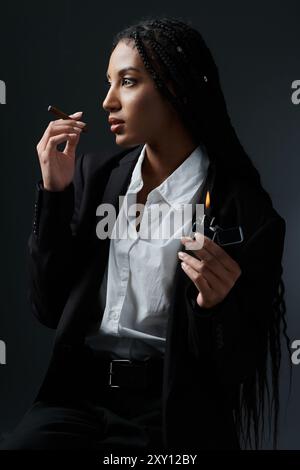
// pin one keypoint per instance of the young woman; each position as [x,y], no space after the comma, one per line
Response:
[159,345]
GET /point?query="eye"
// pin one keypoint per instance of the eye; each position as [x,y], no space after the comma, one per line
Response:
[128,79]
[107,82]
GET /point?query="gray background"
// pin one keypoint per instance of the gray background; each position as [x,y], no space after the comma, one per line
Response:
[57,53]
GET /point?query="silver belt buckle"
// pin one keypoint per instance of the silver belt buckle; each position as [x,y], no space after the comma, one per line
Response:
[111,372]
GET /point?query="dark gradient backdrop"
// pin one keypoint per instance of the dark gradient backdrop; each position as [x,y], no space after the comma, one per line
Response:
[57,53]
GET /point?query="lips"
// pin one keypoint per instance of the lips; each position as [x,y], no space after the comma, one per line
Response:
[113,121]
[115,124]
[116,127]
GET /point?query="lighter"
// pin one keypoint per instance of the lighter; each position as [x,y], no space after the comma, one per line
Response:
[221,236]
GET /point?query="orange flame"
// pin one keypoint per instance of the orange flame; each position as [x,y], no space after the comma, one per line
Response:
[207,200]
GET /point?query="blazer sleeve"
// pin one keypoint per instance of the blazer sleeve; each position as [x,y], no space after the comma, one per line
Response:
[234,333]
[52,248]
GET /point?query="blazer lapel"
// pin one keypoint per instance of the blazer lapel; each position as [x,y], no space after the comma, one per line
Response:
[207,185]
[82,305]
[176,321]
[120,178]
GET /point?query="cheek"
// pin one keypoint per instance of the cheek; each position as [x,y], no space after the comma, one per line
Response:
[141,102]
[149,109]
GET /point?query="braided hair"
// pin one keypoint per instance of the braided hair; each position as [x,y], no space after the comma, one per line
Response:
[183,70]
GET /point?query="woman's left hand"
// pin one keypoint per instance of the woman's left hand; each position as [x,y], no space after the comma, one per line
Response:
[214,273]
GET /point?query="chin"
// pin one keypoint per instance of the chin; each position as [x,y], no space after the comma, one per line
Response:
[127,142]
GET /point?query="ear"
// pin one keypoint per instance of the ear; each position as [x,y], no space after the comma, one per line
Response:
[170,87]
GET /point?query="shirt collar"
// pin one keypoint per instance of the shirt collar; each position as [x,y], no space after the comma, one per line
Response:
[181,185]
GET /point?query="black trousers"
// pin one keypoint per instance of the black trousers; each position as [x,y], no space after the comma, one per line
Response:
[113,419]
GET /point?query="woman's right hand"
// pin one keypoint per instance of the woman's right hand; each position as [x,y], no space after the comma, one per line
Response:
[58,167]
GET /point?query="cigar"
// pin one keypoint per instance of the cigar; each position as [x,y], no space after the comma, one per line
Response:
[61,114]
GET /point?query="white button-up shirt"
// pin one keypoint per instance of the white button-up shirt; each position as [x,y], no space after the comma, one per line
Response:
[141,269]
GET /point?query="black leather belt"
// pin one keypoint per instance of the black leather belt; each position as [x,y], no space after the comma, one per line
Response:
[133,374]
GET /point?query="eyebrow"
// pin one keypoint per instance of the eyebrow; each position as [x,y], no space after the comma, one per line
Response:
[125,69]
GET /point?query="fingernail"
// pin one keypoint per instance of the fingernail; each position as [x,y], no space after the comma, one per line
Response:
[181,255]
[186,239]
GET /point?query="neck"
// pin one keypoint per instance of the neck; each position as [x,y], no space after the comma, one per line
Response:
[162,159]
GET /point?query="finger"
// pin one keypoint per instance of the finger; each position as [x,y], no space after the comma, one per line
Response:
[215,283]
[58,127]
[211,247]
[228,272]
[70,122]
[58,139]
[213,264]
[216,275]
[72,144]
[198,279]
[196,246]
[191,243]
[191,260]
[76,115]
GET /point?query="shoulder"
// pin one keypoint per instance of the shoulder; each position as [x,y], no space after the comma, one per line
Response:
[90,164]
[257,203]
[92,172]
[248,205]
[250,201]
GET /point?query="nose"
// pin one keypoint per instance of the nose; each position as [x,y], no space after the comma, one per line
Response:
[111,101]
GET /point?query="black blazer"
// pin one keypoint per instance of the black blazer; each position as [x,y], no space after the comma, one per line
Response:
[209,352]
